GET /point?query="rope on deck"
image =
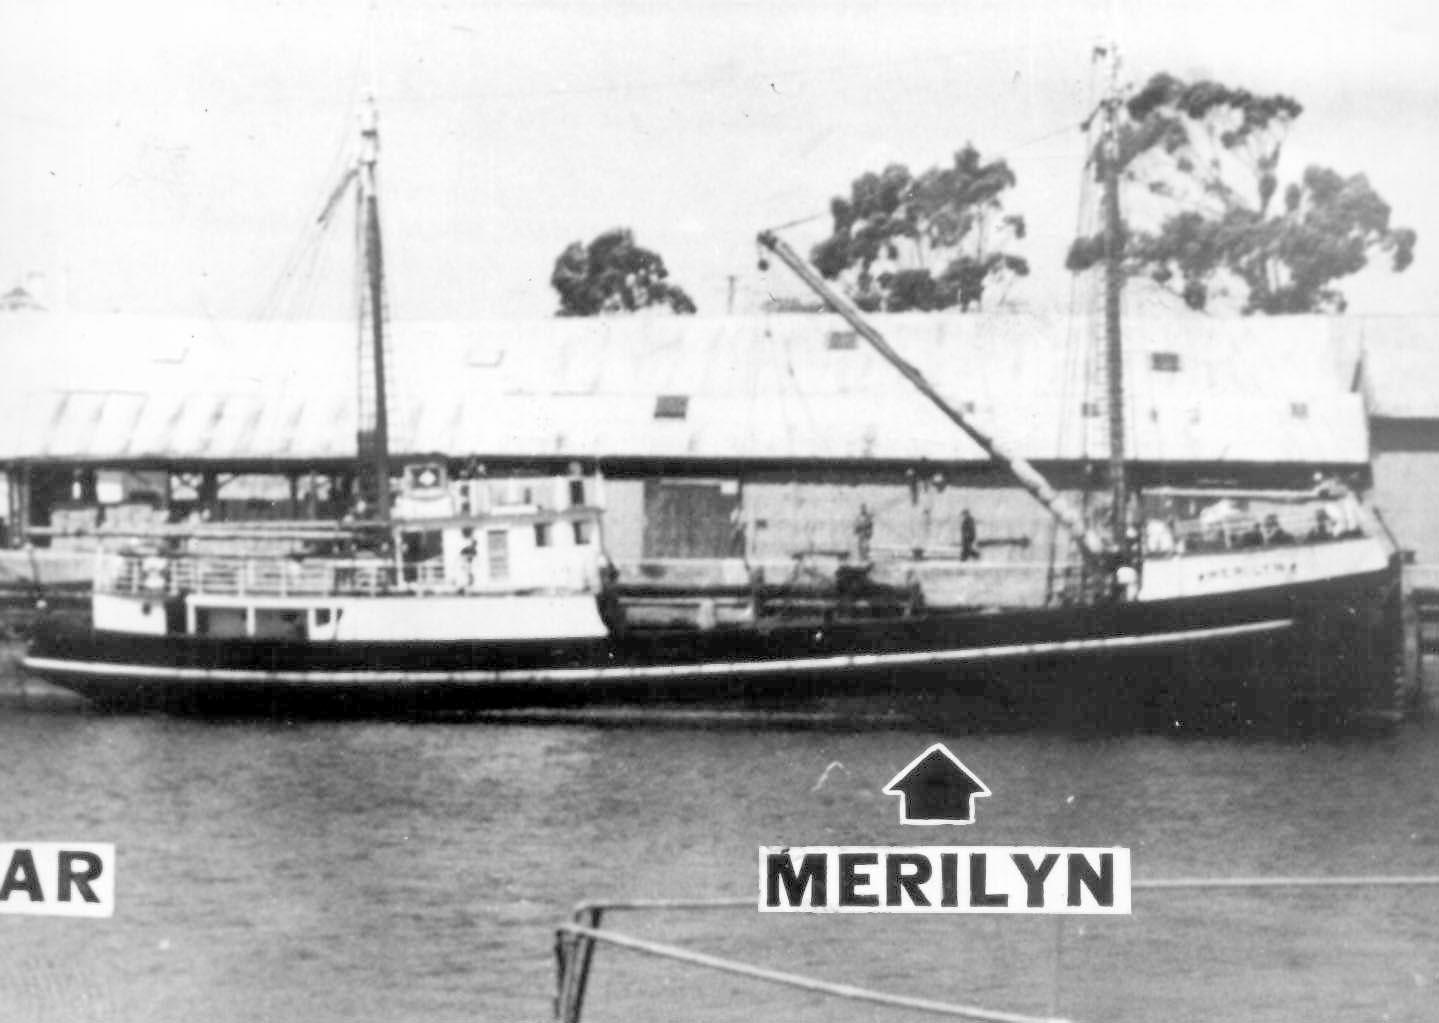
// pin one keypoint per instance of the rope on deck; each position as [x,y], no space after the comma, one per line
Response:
[848,991]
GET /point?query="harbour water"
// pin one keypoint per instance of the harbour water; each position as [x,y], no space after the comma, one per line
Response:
[376,871]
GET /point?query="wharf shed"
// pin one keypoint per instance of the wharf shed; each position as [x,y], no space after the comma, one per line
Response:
[1400,376]
[777,426]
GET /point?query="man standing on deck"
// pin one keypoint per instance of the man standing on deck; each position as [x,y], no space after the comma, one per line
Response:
[468,552]
[863,531]
[968,537]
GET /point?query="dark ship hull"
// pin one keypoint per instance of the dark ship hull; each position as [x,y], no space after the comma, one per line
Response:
[1326,648]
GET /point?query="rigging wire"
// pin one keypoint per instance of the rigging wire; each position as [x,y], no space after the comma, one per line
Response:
[1000,154]
[288,293]
[1084,219]
[1080,354]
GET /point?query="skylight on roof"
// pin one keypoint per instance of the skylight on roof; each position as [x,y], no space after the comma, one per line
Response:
[485,355]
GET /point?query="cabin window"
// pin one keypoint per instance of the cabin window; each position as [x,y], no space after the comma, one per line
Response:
[422,546]
[842,341]
[1299,409]
[279,623]
[497,552]
[542,534]
[224,622]
[577,493]
[418,548]
[1164,362]
[1089,410]
[583,532]
[672,406]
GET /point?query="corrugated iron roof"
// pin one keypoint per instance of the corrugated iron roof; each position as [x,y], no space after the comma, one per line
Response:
[1401,364]
[130,388]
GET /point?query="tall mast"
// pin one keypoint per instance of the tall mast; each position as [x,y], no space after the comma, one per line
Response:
[1027,475]
[1113,282]
[374,435]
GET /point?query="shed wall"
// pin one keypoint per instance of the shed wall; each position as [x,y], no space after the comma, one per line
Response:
[1406,482]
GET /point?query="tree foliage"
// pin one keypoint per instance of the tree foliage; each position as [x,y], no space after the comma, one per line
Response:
[1204,159]
[930,242]
[614,275]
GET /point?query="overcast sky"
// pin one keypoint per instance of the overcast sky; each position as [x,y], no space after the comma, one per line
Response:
[170,157]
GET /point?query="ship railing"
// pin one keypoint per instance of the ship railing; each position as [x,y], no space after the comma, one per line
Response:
[1312,520]
[577,940]
[428,576]
[141,575]
[138,574]
[948,554]
[814,565]
[719,588]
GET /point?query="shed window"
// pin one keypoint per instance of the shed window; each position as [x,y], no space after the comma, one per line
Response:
[1164,362]
[1299,409]
[1089,409]
[672,406]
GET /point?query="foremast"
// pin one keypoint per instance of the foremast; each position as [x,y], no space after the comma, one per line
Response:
[1090,543]
[373,425]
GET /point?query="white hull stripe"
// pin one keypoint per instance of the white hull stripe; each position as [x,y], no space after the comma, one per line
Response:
[573,676]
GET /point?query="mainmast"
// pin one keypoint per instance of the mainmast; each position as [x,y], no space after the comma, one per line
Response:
[1113,283]
[374,425]
[1029,477]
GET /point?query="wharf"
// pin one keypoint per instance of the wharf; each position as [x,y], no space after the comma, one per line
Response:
[1421,585]
[17,690]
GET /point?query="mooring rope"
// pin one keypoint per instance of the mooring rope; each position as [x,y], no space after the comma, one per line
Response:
[594,910]
[793,980]
[1138,884]
[1340,881]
